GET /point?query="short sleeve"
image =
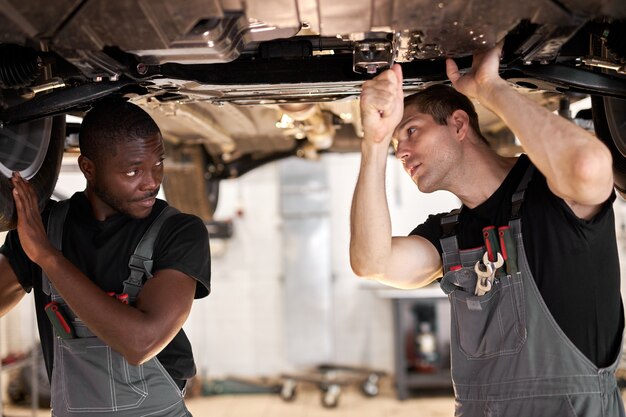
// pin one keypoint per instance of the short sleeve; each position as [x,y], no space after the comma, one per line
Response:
[22,266]
[431,230]
[26,270]
[183,245]
[545,196]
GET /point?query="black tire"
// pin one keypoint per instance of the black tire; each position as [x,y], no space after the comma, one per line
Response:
[186,184]
[609,121]
[35,149]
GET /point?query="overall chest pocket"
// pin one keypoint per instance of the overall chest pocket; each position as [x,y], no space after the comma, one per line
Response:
[493,324]
[94,377]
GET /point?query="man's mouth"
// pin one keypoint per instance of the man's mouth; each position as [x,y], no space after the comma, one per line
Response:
[147,202]
[411,169]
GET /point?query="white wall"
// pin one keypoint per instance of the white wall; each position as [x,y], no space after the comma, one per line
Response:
[363,326]
[238,329]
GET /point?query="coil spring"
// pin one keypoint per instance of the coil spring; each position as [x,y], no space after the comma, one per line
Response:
[19,66]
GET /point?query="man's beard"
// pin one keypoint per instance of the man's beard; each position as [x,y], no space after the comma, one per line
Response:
[108,199]
[116,203]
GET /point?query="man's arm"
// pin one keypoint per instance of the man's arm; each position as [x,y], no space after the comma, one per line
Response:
[11,292]
[139,332]
[404,262]
[577,166]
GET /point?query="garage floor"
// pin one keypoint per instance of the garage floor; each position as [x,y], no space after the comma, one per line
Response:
[307,404]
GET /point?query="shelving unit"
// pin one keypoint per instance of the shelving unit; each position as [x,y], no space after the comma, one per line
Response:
[404,302]
[30,361]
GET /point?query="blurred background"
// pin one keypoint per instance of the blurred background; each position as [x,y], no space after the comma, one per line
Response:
[288,328]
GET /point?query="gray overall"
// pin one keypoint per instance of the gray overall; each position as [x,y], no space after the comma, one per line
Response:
[509,357]
[91,379]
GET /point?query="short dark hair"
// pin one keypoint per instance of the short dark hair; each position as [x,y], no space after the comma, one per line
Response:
[111,122]
[440,101]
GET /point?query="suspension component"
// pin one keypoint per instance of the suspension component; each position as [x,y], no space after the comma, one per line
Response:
[19,67]
[604,63]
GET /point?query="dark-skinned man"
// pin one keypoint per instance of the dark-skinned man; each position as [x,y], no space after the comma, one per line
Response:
[112,345]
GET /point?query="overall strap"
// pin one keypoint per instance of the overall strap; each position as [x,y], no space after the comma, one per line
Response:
[56,219]
[518,195]
[140,262]
[516,201]
[449,222]
[449,242]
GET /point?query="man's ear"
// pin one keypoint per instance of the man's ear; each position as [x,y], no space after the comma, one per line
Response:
[459,120]
[87,167]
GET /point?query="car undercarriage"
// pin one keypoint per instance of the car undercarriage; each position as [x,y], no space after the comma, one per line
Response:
[234,85]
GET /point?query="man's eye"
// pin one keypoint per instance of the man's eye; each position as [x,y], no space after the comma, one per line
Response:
[158,164]
[410,130]
[132,173]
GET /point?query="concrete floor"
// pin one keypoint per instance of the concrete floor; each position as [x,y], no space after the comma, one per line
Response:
[264,406]
[306,404]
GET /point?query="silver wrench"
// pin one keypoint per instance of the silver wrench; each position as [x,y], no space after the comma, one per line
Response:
[494,265]
[483,282]
[486,277]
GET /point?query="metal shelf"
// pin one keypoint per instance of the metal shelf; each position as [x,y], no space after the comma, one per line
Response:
[406,379]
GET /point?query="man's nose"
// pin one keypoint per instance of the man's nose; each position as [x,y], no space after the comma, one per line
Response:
[402,151]
[152,180]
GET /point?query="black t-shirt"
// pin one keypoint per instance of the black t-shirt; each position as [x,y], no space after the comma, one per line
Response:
[101,250]
[573,261]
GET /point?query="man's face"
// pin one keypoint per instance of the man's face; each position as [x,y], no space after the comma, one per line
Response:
[129,181]
[427,149]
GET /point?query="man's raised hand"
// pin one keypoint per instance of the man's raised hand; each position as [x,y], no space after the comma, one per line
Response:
[30,227]
[382,105]
[483,75]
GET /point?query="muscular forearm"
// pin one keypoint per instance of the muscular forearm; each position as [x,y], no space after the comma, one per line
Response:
[576,164]
[370,243]
[128,330]
[402,262]
[9,297]
[11,291]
